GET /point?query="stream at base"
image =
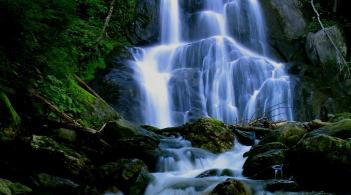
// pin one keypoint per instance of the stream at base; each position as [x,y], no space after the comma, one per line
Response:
[180,168]
[184,170]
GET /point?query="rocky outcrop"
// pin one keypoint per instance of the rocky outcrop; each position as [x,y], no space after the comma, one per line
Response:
[286,24]
[206,133]
[231,187]
[118,86]
[145,28]
[320,49]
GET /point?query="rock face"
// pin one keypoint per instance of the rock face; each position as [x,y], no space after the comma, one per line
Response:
[286,24]
[192,6]
[145,29]
[231,187]
[118,86]
[205,133]
[321,51]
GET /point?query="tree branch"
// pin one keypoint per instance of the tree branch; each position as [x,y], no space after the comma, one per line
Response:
[71,123]
[341,61]
[107,20]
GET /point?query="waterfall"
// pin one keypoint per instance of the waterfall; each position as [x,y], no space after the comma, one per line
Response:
[212,62]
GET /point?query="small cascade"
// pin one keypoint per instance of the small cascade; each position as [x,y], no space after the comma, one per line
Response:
[278,171]
[181,168]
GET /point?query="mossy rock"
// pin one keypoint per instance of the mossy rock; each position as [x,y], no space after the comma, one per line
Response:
[66,135]
[231,187]
[288,134]
[260,166]
[340,116]
[129,175]
[209,134]
[46,183]
[340,129]
[9,188]
[49,155]
[95,112]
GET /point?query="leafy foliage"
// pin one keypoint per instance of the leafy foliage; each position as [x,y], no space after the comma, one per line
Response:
[45,43]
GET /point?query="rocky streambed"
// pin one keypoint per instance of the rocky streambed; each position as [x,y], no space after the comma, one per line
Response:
[288,157]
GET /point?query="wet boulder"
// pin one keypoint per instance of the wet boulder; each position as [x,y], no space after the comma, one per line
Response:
[129,175]
[321,51]
[260,166]
[245,138]
[231,187]
[322,162]
[216,172]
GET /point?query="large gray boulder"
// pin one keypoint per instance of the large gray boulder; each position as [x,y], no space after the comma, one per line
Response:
[145,29]
[320,49]
[285,23]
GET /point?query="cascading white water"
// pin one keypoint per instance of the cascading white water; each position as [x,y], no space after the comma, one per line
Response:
[212,62]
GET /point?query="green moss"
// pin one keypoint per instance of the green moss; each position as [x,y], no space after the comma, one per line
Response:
[75,101]
[209,134]
[8,188]
[13,116]
[340,116]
